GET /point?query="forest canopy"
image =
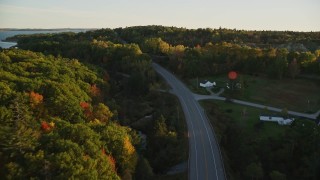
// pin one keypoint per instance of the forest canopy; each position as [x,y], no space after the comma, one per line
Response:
[72,103]
[54,124]
[191,52]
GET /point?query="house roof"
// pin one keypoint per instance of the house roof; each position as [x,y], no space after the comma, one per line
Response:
[207,84]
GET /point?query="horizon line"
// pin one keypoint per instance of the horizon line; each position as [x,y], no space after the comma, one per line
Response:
[97,28]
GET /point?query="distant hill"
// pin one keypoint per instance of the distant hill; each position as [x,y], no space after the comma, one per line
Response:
[40,29]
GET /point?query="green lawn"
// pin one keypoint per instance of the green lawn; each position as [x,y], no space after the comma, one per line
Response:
[244,139]
[247,118]
[300,95]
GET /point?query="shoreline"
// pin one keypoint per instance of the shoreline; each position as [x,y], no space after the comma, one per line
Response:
[7,41]
[7,45]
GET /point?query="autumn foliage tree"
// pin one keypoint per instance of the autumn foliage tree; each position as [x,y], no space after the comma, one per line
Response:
[95,92]
[35,98]
[45,126]
[86,109]
[112,162]
[84,105]
[119,145]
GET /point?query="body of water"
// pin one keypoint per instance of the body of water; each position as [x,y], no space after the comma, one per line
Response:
[9,33]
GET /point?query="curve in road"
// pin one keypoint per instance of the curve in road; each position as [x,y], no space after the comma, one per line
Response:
[205,161]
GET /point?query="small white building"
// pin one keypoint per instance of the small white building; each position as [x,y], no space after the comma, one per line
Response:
[207,84]
[279,120]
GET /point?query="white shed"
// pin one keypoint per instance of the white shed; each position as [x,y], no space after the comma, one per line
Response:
[207,84]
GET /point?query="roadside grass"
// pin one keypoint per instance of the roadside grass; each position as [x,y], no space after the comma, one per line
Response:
[300,95]
[247,118]
[215,89]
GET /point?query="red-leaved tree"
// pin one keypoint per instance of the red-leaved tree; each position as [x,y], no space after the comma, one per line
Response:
[35,98]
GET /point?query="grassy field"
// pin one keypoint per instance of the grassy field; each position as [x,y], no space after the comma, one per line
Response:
[244,140]
[300,95]
[247,118]
[223,114]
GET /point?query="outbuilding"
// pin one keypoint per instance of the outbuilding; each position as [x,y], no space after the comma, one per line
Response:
[207,84]
[279,120]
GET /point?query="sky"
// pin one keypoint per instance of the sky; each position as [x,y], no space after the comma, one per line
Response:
[292,15]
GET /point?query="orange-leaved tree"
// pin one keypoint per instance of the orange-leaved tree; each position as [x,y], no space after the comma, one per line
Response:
[45,126]
[86,108]
[112,162]
[35,99]
[95,90]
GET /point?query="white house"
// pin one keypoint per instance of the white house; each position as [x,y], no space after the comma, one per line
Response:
[207,84]
[279,120]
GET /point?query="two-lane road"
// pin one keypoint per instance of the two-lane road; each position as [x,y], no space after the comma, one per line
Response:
[205,161]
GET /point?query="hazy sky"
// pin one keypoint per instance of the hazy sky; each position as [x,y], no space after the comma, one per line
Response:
[296,15]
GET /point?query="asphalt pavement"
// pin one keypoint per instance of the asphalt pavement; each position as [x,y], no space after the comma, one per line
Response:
[205,161]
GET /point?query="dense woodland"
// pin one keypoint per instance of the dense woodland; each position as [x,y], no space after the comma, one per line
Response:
[53,116]
[88,94]
[67,117]
[194,37]
[191,53]
[204,52]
